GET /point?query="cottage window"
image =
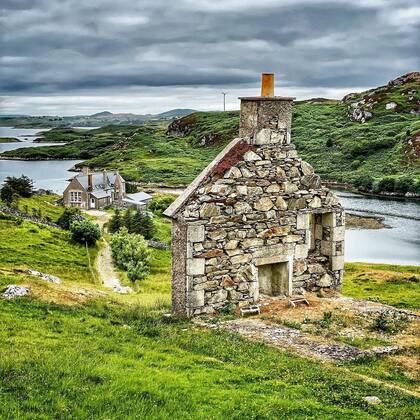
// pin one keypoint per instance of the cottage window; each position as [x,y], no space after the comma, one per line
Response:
[75,196]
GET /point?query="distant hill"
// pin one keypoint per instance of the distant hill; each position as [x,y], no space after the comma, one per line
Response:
[94,120]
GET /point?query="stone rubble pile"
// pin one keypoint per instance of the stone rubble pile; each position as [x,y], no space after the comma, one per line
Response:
[13,291]
[47,277]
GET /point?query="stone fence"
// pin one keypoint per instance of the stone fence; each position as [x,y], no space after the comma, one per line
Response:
[18,213]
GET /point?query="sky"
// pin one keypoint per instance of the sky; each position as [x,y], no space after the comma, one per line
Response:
[68,57]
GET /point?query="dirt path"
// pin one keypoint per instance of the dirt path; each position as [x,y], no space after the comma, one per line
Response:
[103,263]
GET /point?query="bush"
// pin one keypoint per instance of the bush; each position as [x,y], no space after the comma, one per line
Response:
[386,184]
[390,322]
[69,215]
[142,224]
[130,253]
[116,222]
[404,184]
[6,194]
[130,188]
[135,222]
[364,182]
[22,186]
[160,203]
[85,232]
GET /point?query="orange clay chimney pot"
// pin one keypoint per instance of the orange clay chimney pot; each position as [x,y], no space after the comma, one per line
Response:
[267,84]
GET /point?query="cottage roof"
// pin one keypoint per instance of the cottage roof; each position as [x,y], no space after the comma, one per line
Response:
[138,197]
[97,180]
[232,153]
[100,194]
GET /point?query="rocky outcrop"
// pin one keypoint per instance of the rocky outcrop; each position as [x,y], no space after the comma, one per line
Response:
[399,95]
[13,291]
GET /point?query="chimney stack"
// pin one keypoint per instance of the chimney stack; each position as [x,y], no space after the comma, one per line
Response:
[90,181]
[265,112]
[104,177]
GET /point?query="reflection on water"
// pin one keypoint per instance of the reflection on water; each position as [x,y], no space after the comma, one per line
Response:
[398,245]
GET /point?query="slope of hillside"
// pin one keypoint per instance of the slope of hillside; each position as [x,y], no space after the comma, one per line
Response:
[380,153]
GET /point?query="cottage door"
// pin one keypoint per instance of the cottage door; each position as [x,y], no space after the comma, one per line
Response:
[92,203]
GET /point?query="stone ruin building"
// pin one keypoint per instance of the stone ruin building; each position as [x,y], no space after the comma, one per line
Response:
[256,221]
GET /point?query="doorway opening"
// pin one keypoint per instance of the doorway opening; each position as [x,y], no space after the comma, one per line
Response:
[274,279]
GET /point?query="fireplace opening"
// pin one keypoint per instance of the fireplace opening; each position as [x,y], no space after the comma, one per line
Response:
[274,279]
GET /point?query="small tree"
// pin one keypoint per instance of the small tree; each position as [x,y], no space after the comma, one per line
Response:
[127,219]
[143,225]
[116,222]
[22,186]
[69,215]
[6,194]
[130,253]
[85,232]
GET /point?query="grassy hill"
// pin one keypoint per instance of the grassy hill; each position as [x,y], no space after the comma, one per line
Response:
[77,350]
[380,154]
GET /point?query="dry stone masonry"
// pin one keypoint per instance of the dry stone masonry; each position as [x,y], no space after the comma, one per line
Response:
[256,221]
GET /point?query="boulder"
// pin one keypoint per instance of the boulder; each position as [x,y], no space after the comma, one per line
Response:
[13,291]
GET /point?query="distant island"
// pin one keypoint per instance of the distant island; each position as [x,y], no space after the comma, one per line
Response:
[94,120]
[9,140]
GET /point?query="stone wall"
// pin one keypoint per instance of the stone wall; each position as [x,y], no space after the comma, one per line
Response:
[269,207]
[256,220]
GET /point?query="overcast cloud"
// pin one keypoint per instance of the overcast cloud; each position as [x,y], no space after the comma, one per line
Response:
[74,56]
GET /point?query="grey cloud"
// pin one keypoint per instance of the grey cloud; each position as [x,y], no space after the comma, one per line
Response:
[75,47]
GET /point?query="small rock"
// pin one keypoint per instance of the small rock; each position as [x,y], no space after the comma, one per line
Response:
[14,291]
[372,400]
[122,289]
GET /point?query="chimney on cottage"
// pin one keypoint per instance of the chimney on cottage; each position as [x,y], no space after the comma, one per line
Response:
[104,178]
[266,112]
[90,181]
[85,170]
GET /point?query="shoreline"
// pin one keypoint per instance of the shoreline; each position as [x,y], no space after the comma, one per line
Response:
[157,186]
[352,189]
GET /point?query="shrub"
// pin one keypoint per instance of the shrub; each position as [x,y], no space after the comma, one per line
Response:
[364,182]
[6,194]
[130,253]
[142,224]
[404,184]
[116,222]
[386,184]
[69,215]
[85,232]
[130,188]
[160,203]
[22,186]
[390,322]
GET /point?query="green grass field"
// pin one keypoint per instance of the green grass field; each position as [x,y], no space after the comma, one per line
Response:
[395,285]
[26,245]
[104,360]
[120,356]
[46,204]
